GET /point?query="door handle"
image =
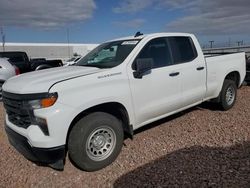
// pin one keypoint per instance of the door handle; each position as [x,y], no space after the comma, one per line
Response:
[200,68]
[174,74]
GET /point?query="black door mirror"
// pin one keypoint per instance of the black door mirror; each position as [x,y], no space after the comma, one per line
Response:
[142,66]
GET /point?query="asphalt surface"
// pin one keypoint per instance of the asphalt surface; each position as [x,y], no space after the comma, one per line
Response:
[201,147]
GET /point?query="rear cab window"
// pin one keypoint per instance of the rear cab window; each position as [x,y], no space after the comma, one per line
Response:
[183,49]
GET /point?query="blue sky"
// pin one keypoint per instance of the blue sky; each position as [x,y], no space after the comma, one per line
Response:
[89,21]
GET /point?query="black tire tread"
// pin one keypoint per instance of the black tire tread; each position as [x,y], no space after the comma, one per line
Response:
[79,134]
[224,106]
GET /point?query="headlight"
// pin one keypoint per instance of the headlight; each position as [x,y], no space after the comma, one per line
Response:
[43,102]
[39,101]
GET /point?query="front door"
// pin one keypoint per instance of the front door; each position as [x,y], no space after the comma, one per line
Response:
[158,92]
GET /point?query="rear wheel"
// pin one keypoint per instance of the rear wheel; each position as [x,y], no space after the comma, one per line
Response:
[228,94]
[95,141]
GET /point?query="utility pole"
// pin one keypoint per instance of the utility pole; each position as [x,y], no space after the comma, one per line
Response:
[68,42]
[3,39]
[211,43]
[239,42]
[229,41]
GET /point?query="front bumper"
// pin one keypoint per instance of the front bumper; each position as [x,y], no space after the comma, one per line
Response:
[58,119]
[49,156]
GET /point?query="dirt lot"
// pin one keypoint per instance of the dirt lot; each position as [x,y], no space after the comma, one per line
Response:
[201,147]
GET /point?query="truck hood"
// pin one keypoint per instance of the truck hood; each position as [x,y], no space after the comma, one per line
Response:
[41,81]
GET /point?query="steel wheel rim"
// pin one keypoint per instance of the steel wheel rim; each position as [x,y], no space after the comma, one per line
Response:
[230,95]
[101,143]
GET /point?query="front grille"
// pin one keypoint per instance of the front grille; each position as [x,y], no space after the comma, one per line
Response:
[17,114]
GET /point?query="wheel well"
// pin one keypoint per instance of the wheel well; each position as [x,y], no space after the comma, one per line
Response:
[234,76]
[113,108]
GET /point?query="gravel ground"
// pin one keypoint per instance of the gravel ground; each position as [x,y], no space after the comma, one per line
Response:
[201,147]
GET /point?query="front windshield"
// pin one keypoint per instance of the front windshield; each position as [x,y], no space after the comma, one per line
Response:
[109,54]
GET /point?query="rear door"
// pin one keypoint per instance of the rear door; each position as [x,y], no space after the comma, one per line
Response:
[193,70]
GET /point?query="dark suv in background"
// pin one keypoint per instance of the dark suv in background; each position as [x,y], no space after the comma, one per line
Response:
[22,61]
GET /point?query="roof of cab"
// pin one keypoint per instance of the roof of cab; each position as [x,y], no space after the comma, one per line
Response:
[151,35]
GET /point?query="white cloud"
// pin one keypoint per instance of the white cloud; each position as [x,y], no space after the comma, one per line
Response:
[132,6]
[200,16]
[136,23]
[205,25]
[214,17]
[45,13]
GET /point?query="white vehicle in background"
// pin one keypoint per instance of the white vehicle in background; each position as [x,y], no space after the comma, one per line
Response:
[7,70]
[72,61]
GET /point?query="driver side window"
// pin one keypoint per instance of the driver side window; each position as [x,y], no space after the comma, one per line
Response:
[158,50]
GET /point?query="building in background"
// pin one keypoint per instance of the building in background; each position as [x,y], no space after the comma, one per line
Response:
[49,50]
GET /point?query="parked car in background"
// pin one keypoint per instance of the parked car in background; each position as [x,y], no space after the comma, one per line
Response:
[72,61]
[42,63]
[22,61]
[19,59]
[7,70]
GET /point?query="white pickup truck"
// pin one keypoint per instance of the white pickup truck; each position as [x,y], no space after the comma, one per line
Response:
[120,86]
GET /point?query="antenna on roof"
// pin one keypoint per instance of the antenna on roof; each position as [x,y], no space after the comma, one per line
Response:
[138,34]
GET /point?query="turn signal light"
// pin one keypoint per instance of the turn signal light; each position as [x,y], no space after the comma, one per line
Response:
[48,102]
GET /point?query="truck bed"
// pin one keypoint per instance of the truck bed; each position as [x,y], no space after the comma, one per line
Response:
[247,78]
[212,54]
[225,62]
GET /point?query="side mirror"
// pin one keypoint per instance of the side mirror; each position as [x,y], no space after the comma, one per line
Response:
[142,65]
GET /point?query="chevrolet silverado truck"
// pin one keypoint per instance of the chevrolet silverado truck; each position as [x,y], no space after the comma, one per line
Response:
[85,110]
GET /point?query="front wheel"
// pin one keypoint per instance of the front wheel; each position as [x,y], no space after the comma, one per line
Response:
[95,141]
[228,94]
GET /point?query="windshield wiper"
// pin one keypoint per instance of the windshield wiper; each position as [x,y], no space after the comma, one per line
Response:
[97,65]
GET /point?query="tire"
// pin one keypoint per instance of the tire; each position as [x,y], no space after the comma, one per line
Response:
[228,95]
[95,141]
